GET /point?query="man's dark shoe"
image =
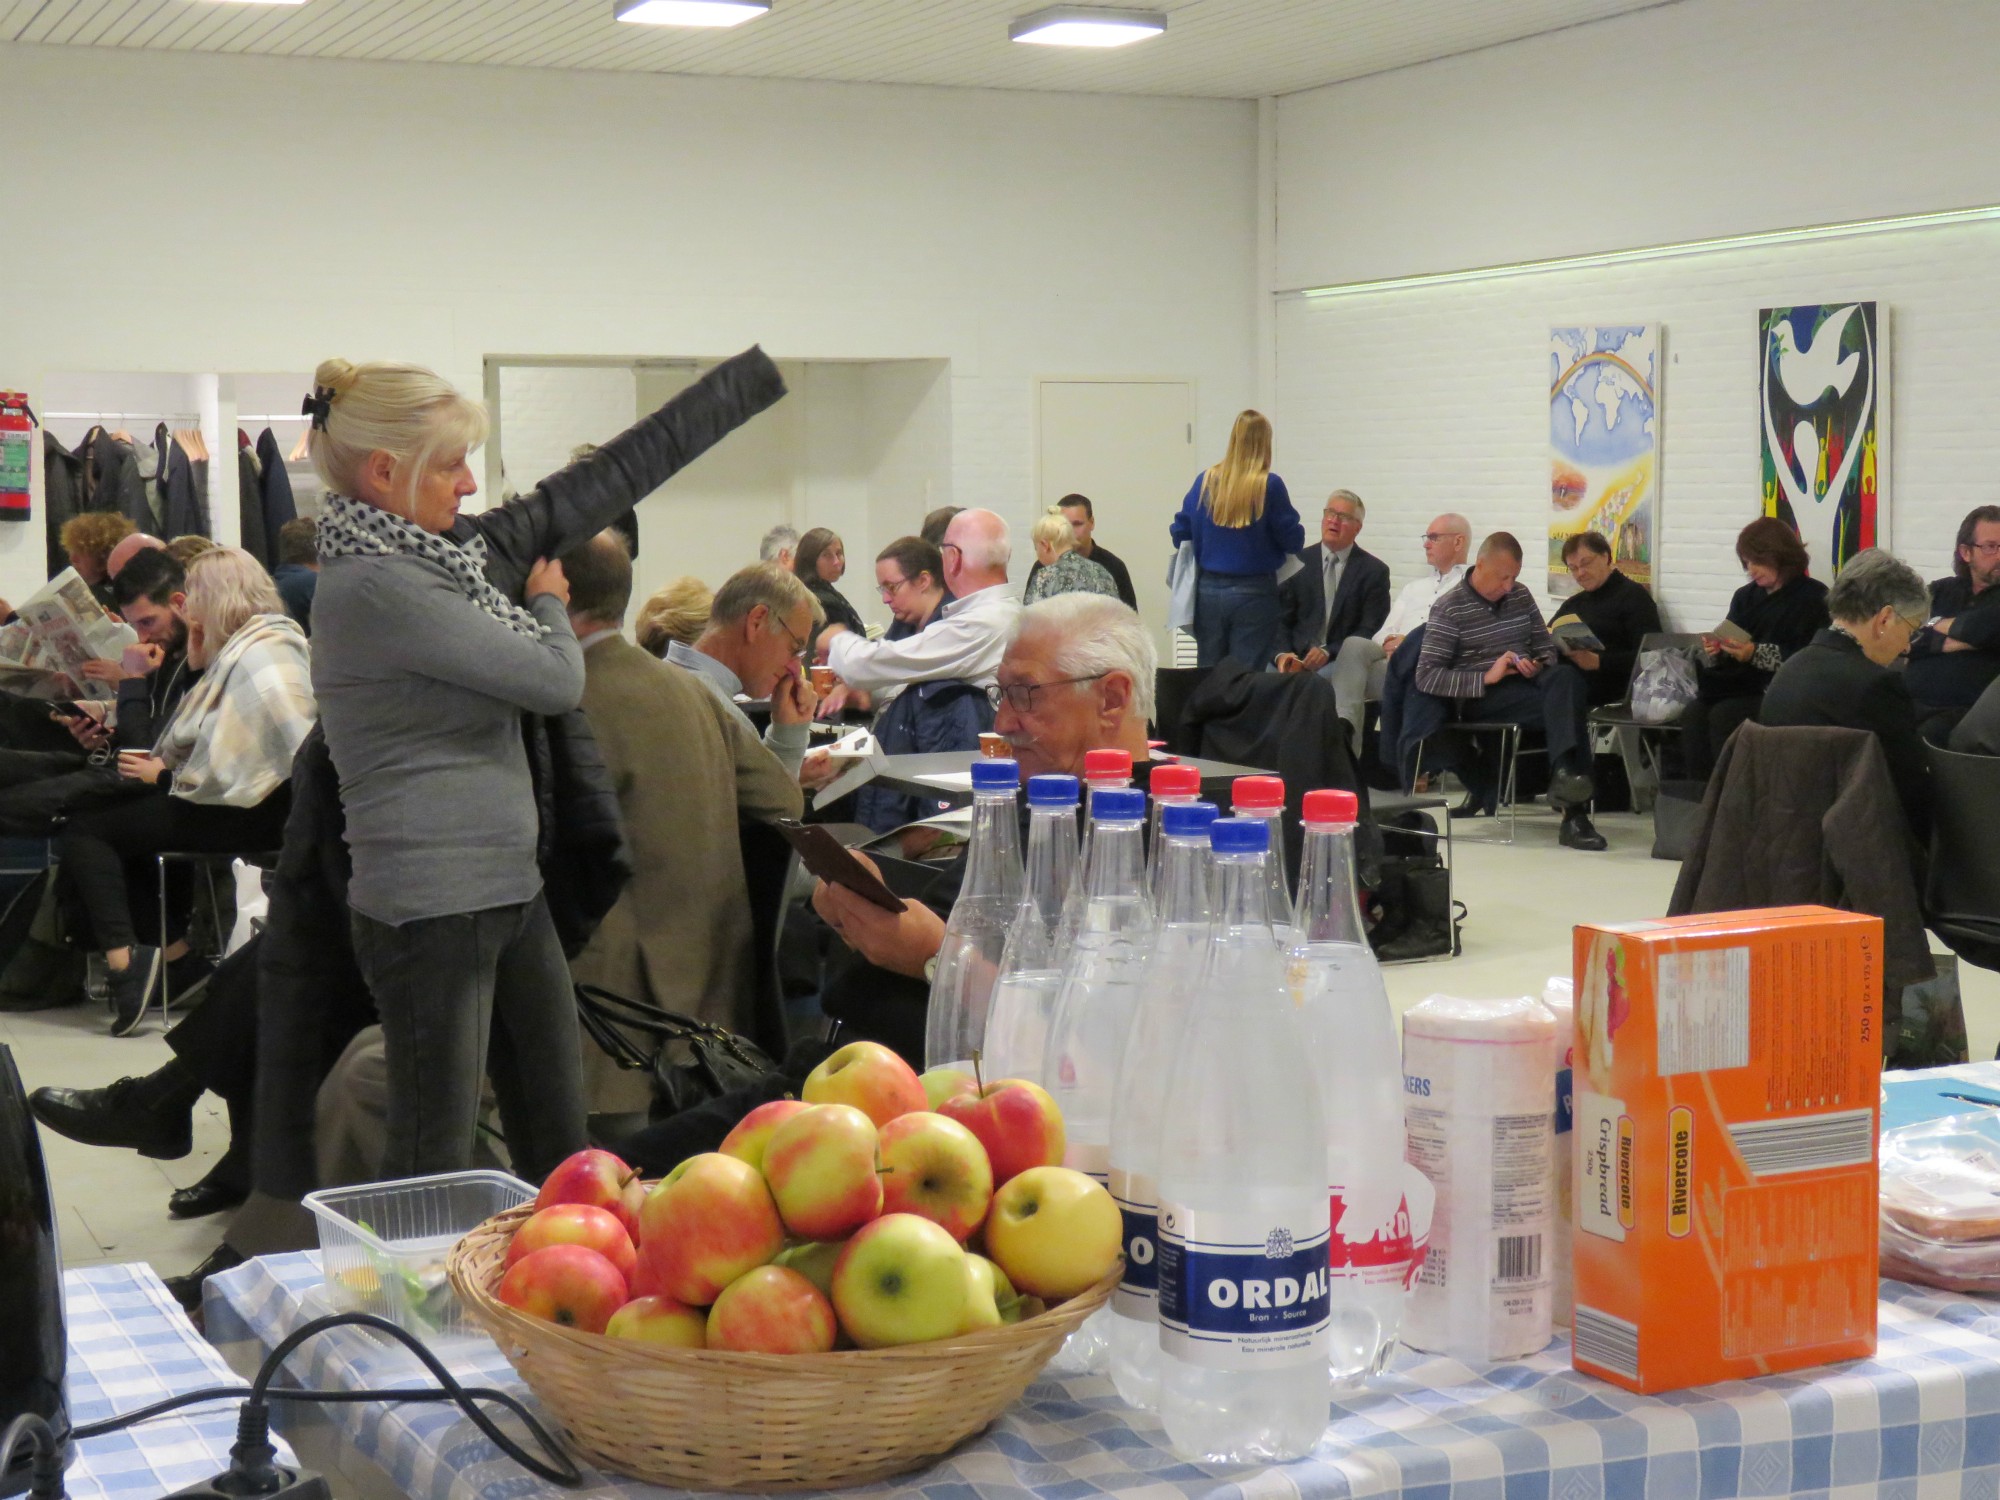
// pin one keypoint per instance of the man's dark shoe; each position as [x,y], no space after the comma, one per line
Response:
[186,1290]
[219,1190]
[132,987]
[1569,789]
[119,1114]
[1478,805]
[1578,833]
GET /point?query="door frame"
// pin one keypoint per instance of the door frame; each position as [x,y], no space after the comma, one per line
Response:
[1194,406]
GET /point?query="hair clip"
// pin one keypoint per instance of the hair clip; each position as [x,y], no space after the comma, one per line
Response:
[317,405]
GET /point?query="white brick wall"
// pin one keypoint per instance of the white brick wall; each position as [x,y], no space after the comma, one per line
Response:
[547,410]
[1433,398]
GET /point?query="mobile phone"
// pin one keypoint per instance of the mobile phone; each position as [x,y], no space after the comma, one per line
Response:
[821,853]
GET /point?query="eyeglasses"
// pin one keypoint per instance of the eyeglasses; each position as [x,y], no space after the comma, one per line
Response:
[888,590]
[1439,536]
[1340,518]
[798,645]
[1020,696]
[1984,549]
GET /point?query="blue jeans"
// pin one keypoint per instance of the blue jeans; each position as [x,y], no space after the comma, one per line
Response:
[1236,615]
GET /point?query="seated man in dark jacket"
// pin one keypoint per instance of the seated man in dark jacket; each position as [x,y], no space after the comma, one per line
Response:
[1843,679]
[1957,658]
[1619,612]
[1340,591]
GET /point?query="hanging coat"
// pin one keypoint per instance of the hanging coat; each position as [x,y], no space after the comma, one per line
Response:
[62,480]
[276,492]
[250,506]
[183,504]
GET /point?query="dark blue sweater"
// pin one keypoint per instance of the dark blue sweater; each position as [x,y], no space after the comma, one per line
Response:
[1260,547]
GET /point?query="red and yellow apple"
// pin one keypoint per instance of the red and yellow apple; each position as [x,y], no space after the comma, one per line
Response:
[565,1284]
[1016,1121]
[868,1076]
[820,1165]
[901,1280]
[596,1229]
[814,1261]
[752,1134]
[642,1282]
[771,1310]
[941,1084]
[599,1179]
[1054,1232]
[705,1224]
[935,1167]
[659,1320]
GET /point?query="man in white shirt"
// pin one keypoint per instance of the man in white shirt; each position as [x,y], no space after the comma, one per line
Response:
[968,636]
[1360,668]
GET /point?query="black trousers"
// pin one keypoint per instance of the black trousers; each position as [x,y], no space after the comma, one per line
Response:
[1556,700]
[1705,727]
[107,855]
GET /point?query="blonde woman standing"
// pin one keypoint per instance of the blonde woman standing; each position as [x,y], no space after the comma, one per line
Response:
[1243,526]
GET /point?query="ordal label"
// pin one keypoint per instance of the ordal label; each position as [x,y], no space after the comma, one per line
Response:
[1137,1198]
[1241,1291]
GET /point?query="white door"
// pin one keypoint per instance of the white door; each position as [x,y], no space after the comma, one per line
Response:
[1129,446]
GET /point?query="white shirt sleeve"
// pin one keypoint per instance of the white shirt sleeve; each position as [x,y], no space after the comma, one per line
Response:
[966,644]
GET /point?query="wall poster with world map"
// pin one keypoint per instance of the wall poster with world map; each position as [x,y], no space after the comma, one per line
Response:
[1822,395]
[1604,444]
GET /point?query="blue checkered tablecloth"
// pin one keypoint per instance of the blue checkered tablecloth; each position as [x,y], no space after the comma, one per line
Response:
[1921,1419]
[129,1346]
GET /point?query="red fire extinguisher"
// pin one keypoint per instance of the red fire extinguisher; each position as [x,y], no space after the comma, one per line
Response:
[17,441]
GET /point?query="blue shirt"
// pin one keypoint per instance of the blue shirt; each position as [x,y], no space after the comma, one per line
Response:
[1259,548]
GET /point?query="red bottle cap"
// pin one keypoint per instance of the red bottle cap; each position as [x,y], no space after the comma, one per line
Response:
[1175,781]
[1256,791]
[1107,765]
[1330,805]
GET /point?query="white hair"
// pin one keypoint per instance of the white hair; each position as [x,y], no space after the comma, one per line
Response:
[1095,634]
[778,539]
[987,544]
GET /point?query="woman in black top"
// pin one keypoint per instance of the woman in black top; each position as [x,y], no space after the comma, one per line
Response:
[1780,609]
[819,561]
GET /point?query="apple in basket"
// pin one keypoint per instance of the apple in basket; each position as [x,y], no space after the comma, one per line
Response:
[820,1166]
[659,1320]
[705,1224]
[565,1284]
[1016,1121]
[771,1310]
[868,1076]
[596,1229]
[752,1134]
[815,1262]
[934,1167]
[990,1297]
[941,1084]
[599,1179]
[1054,1231]
[901,1280]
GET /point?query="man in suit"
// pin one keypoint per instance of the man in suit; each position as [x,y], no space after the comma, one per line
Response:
[1340,591]
[686,768]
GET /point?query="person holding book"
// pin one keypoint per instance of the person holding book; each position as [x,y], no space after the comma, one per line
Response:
[1771,618]
[1608,608]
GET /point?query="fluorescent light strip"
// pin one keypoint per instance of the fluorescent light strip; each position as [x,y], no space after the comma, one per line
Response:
[1850,229]
[707,13]
[1086,26]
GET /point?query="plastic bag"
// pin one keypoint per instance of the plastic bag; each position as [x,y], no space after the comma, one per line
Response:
[1663,685]
[1940,1202]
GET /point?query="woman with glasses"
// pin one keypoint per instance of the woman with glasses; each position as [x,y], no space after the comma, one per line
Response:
[1240,520]
[1776,615]
[1845,677]
[820,562]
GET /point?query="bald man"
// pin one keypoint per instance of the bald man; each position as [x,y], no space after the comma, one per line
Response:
[1370,669]
[128,549]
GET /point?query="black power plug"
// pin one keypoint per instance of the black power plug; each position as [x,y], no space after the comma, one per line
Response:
[252,1473]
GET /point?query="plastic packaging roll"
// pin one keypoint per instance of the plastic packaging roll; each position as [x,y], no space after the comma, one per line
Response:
[1559,996]
[1479,1110]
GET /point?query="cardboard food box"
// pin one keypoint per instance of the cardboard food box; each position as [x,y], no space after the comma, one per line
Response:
[1727,1077]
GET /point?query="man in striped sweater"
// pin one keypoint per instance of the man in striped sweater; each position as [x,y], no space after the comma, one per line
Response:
[1487,658]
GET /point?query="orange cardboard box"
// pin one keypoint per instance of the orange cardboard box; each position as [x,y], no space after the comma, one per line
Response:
[1727,1078]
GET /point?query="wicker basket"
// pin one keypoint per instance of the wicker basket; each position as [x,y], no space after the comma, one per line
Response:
[715,1420]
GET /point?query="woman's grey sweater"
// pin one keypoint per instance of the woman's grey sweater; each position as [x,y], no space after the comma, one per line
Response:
[421,692]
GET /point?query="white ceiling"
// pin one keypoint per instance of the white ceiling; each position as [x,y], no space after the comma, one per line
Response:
[1213,48]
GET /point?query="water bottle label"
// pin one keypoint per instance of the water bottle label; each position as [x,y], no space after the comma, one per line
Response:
[1138,1205]
[1565,1100]
[1090,1157]
[1240,1291]
[1368,1245]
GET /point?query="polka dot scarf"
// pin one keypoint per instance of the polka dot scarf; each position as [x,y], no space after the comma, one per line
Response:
[351,528]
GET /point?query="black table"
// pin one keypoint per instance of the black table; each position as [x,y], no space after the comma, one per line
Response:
[903,773]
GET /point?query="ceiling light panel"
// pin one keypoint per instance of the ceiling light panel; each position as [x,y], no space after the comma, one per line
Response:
[711,14]
[1086,26]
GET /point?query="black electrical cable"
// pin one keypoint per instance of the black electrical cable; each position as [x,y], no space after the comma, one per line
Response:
[173,1404]
[46,1471]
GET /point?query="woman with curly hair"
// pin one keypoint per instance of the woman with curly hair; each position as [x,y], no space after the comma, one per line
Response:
[88,539]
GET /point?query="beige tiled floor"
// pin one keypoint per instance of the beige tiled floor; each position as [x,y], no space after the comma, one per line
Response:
[1523,901]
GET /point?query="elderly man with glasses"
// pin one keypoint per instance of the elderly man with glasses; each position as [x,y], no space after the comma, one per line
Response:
[1372,668]
[756,636]
[1340,593]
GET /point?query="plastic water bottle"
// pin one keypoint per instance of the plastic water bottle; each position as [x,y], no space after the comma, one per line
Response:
[1338,986]
[1169,785]
[1179,948]
[1103,771]
[1101,980]
[976,933]
[1024,1000]
[1243,1222]
[1264,797]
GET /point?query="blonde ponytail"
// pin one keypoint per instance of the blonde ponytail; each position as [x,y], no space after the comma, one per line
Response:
[403,410]
[1233,490]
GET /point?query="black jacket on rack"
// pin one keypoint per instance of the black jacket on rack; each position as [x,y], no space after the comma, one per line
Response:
[62,490]
[250,503]
[275,493]
[183,503]
[112,481]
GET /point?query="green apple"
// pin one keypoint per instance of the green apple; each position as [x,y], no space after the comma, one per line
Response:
[941,1084]
[1054,1231]
[990,1297]
[901,1280]
[814,1261]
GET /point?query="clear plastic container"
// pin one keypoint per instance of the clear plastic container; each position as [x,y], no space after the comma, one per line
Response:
[382,1245]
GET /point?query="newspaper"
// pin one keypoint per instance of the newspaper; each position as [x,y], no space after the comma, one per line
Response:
[58,630]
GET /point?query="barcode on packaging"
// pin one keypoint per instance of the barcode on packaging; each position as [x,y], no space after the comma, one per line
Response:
[1520,1258]
[1704,1010]
[1806,1143]
[1607,1342]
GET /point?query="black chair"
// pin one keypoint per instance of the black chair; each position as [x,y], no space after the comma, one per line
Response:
[1173,687]
[1640,753]
[1962,886]
[1513,743]
[767,872]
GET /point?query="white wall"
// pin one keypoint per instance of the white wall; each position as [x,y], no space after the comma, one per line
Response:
[1432,398]
[206,212]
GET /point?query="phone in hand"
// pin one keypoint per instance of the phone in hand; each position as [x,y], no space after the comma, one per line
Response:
[821,853]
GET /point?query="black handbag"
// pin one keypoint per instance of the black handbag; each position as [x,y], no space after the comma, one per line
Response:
[690,1061]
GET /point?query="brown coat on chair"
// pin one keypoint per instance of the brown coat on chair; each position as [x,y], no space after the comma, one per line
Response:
[685,769]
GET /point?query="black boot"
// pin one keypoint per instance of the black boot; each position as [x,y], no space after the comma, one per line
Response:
[228,1181]
[1579,833]
[153,1116]
[186,1290]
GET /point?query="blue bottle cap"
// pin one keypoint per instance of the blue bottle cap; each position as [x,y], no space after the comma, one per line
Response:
[1240,836]
[1187,819]
[1113,804]
[1054,790]
[995,775]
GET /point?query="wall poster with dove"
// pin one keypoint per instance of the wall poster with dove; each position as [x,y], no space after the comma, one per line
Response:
[1604,444]
[1822,426]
